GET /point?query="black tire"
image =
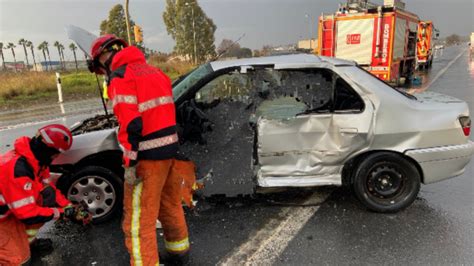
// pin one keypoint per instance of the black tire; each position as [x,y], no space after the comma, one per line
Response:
[386,182]
[101,188]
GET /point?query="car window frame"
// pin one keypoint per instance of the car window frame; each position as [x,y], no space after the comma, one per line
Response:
[335,77]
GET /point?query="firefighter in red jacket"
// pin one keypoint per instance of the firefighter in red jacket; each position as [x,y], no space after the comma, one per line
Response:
[143,103]
[28,198]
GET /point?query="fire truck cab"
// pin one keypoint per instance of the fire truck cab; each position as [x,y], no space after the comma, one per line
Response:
[382,39]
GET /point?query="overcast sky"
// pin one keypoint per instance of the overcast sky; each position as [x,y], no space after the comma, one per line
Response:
[274,22]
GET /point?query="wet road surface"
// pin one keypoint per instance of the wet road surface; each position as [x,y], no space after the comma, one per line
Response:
[437,229]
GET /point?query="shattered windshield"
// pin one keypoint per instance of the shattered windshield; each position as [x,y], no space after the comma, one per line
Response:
[182,85]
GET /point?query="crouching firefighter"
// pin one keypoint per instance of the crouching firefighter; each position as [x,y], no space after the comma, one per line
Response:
[154,179]
[28,198]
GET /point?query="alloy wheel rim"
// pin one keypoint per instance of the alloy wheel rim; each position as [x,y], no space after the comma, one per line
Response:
[97,192]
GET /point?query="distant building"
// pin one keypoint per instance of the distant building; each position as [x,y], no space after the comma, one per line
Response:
[308,44]
[56,65]
[11,66]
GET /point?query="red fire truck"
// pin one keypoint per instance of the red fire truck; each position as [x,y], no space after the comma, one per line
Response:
[382,39]
[424,51]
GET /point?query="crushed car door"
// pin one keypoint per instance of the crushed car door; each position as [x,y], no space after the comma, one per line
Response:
[217,136]
[307,148]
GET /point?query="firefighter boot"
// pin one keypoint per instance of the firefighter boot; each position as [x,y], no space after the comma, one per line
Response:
[41,247]
[175,259]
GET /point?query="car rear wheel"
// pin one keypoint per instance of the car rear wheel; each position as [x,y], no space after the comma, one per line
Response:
[386,182]
[100,188]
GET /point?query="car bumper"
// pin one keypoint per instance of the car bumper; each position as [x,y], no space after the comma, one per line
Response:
[441,163]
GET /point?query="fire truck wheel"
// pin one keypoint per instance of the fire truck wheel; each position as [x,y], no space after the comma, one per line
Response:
[386,182]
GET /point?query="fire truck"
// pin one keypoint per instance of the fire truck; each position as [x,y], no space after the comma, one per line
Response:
[424,50]
[382,39]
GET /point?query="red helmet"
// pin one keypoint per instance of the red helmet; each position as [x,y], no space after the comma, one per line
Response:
[105,41]
[56,136]
[99,46]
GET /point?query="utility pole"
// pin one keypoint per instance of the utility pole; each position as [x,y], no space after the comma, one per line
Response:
[127,21]
[194,37]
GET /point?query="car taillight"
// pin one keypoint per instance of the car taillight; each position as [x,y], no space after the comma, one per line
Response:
[465,124]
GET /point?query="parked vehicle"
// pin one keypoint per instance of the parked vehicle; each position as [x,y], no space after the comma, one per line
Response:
[380,38]
[289,121]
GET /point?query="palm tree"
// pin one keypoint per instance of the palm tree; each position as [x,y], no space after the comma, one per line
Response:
[57,45]
[61,48]
[46,47]
[73,47]
[12,47]
[42,47]
[23,43]
[1,54]
[30,44]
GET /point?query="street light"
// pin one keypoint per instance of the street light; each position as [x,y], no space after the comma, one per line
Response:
[194,31]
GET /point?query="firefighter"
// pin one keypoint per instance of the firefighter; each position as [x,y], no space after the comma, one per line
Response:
[28,198]
[143,103]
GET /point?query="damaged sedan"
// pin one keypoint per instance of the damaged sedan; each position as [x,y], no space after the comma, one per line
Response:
[289,121]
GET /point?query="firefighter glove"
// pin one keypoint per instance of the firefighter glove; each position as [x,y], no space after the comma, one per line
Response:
[131,176]
[77,214]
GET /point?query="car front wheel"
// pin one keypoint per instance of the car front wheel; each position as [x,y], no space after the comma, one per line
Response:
[386,182]
[98,187]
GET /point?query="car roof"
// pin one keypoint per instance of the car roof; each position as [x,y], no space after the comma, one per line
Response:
[293,59]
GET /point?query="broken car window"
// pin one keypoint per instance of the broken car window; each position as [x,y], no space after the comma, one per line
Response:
[233,86]
[191,79]
[311,90]
[346,99]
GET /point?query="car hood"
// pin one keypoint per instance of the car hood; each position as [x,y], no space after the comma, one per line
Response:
[89,144]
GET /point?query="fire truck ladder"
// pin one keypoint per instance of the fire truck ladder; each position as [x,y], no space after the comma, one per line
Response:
[331,39]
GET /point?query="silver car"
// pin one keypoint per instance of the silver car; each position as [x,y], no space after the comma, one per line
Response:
[290,121]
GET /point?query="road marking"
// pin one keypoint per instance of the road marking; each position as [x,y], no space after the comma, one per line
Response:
[440,73]
[266,245]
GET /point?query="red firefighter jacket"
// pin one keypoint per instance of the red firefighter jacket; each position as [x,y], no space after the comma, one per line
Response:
[26,188]
[143,103]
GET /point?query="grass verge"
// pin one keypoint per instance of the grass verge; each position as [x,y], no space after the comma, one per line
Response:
[19,90]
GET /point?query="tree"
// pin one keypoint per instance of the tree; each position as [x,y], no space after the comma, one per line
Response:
[453,39]
[58,46]
[30,44]
[266,50]
[244,53]
[23,43]
[12,47]
[228,48]
[191,29]
[3,58]
[43,47]
[116,23]
[46,46]
[73,48]
[61,48]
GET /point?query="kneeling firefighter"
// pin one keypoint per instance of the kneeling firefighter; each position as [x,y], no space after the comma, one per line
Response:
[155,181]
[28,197]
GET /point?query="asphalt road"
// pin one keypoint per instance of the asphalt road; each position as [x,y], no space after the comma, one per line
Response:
[332,228]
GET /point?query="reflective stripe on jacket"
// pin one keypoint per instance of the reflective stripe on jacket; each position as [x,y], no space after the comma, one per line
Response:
[143,102]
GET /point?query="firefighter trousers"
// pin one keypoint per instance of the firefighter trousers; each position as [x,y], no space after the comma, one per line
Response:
[14,241]
[157,196]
